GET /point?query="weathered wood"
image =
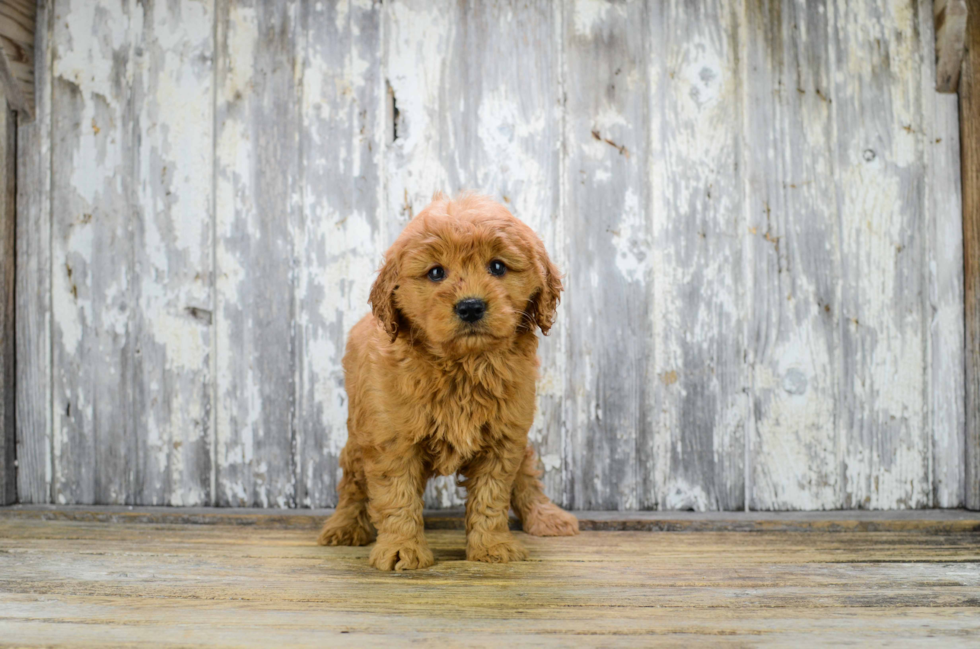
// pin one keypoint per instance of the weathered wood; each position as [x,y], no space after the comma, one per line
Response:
[932,521]
[337,249]
[93,106]
[17,27]
[880,185]
[754,204]
[943,304]
[172,247]
[970,170]
[131,264]
[258,214]
[33,294]
[478,109]
[8,259]
[698,377]
[605,193]
[72,583]
[793,256]
[950,35]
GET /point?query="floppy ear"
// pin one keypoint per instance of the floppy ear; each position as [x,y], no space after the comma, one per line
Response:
[545,301]
[382,298]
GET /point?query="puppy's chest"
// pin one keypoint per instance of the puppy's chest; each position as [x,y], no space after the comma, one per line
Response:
[461,420]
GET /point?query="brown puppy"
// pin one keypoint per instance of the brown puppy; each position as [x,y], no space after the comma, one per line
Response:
[440,379]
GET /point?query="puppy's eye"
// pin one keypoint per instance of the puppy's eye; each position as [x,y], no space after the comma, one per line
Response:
[436,273]
[497,267]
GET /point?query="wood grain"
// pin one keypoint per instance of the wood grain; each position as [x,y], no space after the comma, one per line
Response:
[94,150]
[950,34]
[8,259]
[76,583]
[793,246]
[17,46]
[258,215]
[946,382]
[699,377]
[33,293]
[337,248]
[755,205]
[172,246]
[932,521]
[604,188]
[132,327]
[880,189]
[970,169]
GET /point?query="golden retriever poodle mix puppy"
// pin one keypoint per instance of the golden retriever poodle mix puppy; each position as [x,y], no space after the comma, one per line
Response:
[440,378]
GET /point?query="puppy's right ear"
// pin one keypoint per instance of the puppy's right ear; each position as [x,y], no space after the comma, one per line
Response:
[382,299]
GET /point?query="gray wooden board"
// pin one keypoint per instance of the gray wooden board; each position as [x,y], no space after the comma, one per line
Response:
[755,206]
[172,241]
[93,200]
[33,294]
[605,189]
[699,377]
[880,178]
[969,110]
[258,218]
[337,249]
[946,387]
[794,257]
[8,258]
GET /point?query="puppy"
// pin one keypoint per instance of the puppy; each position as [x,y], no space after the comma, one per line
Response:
[440,378]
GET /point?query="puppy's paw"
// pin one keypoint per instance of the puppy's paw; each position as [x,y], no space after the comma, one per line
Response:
[548,519]
[403,555]
[345,533]
[494,548]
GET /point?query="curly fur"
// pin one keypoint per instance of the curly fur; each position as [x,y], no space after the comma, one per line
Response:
[430,394]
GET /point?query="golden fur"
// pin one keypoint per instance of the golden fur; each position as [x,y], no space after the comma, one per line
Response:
[431,394]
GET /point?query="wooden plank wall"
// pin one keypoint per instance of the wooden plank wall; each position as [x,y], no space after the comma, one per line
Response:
[756,205]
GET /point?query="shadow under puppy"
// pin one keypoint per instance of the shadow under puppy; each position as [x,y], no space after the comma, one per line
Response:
[441,379]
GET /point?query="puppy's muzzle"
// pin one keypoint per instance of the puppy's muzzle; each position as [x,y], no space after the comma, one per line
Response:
[471,309]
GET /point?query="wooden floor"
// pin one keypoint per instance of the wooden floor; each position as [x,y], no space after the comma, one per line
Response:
[65,582]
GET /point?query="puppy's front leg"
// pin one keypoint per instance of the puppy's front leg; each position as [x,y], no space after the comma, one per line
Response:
[395,505]
[489,479]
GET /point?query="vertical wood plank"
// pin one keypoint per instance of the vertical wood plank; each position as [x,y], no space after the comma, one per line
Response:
[258,213]
[341,241]
[172,226]
[608,243]
[694,456]
[946,391]
[793,257]
[131,270]
[970,166]
[880,184]
[8,258]
[477,93]
[95,449]
[34,378]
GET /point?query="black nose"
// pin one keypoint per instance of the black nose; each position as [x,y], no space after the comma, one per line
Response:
[471,309]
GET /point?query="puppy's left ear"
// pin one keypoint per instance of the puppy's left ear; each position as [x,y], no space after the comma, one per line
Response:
[382,298]
[545,302]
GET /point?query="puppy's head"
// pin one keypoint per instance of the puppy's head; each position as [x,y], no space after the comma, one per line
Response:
[466,276]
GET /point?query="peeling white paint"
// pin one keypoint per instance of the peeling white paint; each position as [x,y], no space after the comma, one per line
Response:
[590,15]
[686,241]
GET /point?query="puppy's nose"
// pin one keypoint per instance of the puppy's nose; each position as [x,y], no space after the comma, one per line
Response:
[471,309]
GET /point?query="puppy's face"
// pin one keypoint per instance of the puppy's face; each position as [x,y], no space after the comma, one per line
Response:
[466,276]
